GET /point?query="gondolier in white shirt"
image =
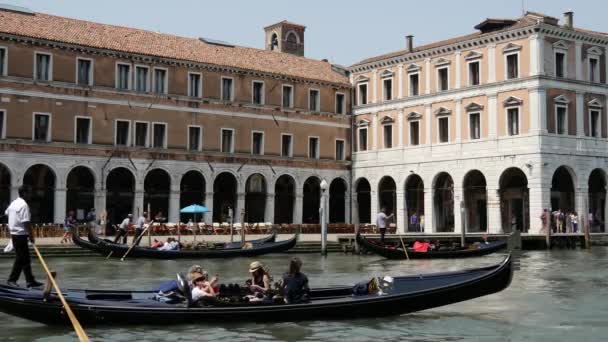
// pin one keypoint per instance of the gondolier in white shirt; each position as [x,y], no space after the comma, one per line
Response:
[139,228]
[382,222]
[18,213]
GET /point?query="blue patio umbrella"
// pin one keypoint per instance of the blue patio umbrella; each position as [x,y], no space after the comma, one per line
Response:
[194,209]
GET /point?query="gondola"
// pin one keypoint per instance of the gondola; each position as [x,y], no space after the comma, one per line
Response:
[397,252]
[221,250]
[399,295]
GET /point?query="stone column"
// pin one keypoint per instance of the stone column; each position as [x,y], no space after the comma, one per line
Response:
[582,206]
[491,63]
[458,79]
[208,217]
[578,60]
[138,200]
[429,225]
[174,204]
[401,211]
[492,116]
[400,124]
[458,110]
[347,207]
[240,206]
[538,111]
[374,86]
[60,198]
[605,213]
[400,80]
[540,198]
[428,120]
[14,193]
[493,205]
[580,114]
[458,199]
[100,199]
[536,55]
[297,207]
[427,73]
[269,211]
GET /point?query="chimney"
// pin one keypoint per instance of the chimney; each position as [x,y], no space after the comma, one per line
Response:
[410,42]
[569,19]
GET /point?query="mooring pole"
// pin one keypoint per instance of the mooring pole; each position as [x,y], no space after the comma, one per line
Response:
[463,221]
[322,213]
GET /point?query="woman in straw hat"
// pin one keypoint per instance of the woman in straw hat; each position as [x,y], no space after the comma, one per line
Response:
[260,279]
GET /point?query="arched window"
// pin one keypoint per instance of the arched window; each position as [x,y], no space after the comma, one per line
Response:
[274,42]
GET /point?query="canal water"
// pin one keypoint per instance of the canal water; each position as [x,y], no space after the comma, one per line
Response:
[554,296]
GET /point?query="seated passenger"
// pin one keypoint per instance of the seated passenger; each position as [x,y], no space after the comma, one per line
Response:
[170,245]
[156,244]
[422,247]
[260,283]
[201,287]
[295,284]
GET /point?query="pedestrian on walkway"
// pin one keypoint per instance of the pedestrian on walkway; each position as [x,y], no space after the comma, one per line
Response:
[382,222]
[18,213]
[69,226]
[414,223]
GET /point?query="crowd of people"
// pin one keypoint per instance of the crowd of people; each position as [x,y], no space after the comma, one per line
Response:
[561,221]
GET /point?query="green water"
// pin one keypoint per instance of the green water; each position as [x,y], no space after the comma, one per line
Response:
[555,296]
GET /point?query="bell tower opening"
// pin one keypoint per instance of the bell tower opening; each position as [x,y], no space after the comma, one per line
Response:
[285,37]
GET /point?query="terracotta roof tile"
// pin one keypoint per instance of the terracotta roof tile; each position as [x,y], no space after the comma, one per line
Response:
[130,40]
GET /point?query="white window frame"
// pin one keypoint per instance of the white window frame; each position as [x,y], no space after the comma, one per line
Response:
[318,104]
[506,62]
[263,97]
[166,83]
[232,95]
[200,83]
[469,126]
[343,149]
[409,129]
[3,131]
[129,133]
[291,104]
[5,66]
[384,79]
[438,79]
[384,138]
[439,131]
[318,149]
[359,139]
[564,106]
[290,145]
[599,121]
[50,129]
[90,134]
[200,138]
[409,83]
[116,76]
[166,137]
[343,104]
[232,147]
[366,84]
[36,53]
[469,82]
[565,53]
[147,143]
[148,78]
[91,71]
[596,74]
[263,142]
[519,114]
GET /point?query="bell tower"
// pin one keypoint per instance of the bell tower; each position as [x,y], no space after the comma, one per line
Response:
[285,37]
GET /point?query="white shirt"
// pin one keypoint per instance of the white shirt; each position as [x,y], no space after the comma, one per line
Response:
[141,221]
[198,293]
[381,220]
[18,213]
[125,223]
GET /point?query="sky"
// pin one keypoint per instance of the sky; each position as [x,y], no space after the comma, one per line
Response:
[344,32]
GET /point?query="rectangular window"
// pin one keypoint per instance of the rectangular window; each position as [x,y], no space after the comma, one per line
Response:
[513,121]
[594,123]
[257,143]
[43,67]
[387,89]
[512,66]
[442,79]
[122,129]
[194,138]
[561,120]
[258,92]
[227,89]
[593,70]
[142,79]
[313,148]
[42,127]
[287,100]
[415,133]
[83,130]
[227,140]
[195,85]
[160,81]
[560,64]
[141,134]
[340,103]
[474,126]
[414,84]
[314,100]
[286,147]
[159,135]
[444,130]
[339,149]
[362,94]
[85,72]
[474,78]
[3,62]
[362,139]
[123,76]
[2,124]
[388,136]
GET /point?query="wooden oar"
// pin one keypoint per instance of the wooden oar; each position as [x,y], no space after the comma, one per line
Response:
[82,335]
[133,245]
[404,248]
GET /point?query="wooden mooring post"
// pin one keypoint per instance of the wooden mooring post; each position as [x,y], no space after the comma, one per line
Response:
[548,235]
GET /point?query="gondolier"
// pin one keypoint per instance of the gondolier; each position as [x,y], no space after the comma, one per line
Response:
[18,213]
[123,230]
[382,222]
[139,228]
